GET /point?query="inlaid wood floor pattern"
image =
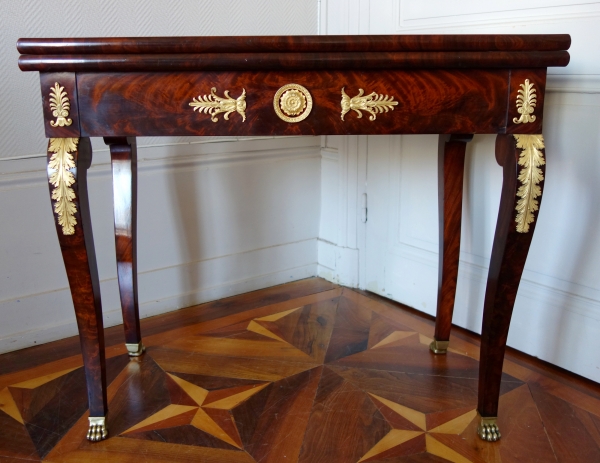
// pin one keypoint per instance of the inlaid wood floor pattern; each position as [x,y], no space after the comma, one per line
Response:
[306,372]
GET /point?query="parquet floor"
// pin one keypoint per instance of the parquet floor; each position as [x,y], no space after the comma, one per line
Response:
[306,372]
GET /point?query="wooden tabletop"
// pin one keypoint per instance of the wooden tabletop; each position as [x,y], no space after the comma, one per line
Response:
[293,52]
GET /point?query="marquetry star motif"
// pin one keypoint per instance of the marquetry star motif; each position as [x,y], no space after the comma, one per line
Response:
[391,442]
[211,414]
[263,325]
[12,407]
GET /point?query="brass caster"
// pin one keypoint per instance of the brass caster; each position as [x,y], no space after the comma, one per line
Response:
[97,430]
[135,350]
[488,429]
[439,347]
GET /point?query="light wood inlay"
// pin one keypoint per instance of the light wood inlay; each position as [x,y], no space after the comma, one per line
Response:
[395,336]
[205,423]
[169,412]
[394,438]
[259,329]
[197,394]
[37,382]
[277,316]
[413,416]
[457,425]
[438,449]
[232,401]
[8,405]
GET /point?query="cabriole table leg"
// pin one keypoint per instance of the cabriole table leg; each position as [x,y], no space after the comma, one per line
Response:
[123,155]
[522,158]
[68,161]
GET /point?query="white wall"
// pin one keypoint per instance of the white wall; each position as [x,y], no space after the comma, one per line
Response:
[216,217]
[223,217]
[557,312]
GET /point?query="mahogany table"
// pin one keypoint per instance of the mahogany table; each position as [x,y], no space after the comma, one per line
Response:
[454,85]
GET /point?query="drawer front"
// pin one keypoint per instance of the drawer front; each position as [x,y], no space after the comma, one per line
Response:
[381,102]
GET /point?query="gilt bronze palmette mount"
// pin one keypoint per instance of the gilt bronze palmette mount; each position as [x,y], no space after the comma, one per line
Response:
[213,104]
[526,101]
[60,106]
[373,103]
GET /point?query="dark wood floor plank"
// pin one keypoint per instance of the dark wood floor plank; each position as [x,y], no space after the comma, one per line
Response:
[521,427]
[184,435]
[573,396]
[412,358]
[15,441]
[280,430]
[428,394]
[122,450]
[312,330]
[245,368]
[350,331]
[248,414]
[143,394]
[344,423]
[382,327]
[569,436]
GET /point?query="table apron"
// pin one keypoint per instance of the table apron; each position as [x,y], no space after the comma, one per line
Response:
[424,101]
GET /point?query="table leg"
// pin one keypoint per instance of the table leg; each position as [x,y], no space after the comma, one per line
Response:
[68,161]
[451,168]
[123,156]
[522,159]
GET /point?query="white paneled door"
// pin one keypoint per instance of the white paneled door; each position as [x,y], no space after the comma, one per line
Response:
[402,229]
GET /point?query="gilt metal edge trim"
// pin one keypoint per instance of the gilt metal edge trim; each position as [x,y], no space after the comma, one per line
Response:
[373,103]
[439,347]
[526,102]
[213,104]
[530,160]
[60,106]
[61,178]
[135,349]
[307,107]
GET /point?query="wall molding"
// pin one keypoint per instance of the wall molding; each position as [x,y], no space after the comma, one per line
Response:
[573,83]
[575,300]
[31,172]
[517,14]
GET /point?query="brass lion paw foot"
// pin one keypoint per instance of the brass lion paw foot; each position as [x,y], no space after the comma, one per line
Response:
[488,429]
[97,430]
[135,350]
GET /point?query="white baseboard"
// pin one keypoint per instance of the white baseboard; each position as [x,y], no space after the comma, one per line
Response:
[573,83]
[163,290]
[338,264]
[549,322]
